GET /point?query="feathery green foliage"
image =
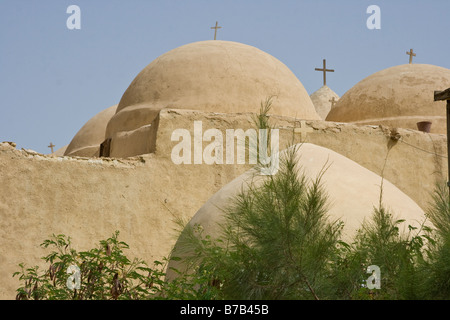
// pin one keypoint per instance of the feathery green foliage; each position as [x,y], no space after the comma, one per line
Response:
[437,264]
[277,240]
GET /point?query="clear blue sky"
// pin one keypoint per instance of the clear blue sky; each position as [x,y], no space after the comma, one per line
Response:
[54,79]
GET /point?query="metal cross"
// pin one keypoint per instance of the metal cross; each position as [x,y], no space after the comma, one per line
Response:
[411,55]
[215,31]
[325,70]
[51,146]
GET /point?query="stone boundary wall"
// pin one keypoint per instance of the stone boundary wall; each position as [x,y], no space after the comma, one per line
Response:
[89,198]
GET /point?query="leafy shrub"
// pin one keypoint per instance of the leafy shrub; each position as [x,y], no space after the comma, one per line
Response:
[105,273]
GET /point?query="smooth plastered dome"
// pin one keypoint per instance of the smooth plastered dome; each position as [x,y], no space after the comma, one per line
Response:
[212,76]
[399,96]
[86,142]
[353,193]
[347,202]
[60,152]
[322,100]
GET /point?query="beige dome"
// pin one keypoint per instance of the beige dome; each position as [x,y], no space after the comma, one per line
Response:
[60,152]
[352,189]
[212,76]
[86,142]
[322,100]
[399,96]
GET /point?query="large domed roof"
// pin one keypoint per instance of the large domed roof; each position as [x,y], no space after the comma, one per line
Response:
[212,76]
[399,96]
[343,181]
[348,203]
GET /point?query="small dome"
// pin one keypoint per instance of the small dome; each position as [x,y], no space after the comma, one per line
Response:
[324,100]
[399,96]
[86,142]
[60,152]
[212,76]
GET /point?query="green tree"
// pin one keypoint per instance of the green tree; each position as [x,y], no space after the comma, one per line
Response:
[379,242]
[277,243]
[436,266]
[105,273]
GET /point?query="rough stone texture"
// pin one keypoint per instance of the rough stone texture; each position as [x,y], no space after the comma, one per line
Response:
[89,198]
[211,76]
[86,143]
[321,100]
[399,97]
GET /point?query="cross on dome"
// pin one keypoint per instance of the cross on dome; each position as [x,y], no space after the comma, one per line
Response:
[324,70]
[411,55]
[215,31]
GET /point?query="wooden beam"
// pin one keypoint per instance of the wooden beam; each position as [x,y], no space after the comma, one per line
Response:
[442,95]
[439,96]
